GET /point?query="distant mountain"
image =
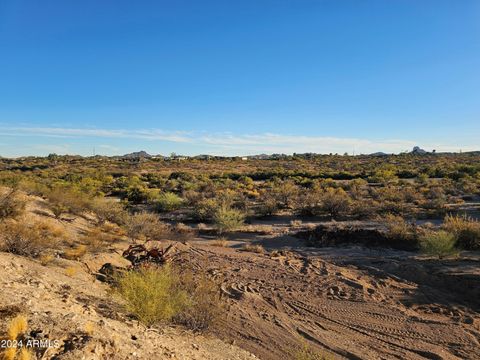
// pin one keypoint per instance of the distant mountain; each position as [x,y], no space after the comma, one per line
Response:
[137,155]
[380,153]
[418,151]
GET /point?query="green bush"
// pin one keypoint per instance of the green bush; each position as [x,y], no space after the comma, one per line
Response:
[168,202]
[162,294]
[438,243]
[153,295]
[205,210]
[228,219]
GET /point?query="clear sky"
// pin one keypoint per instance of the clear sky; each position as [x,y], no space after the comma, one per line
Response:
[238,77]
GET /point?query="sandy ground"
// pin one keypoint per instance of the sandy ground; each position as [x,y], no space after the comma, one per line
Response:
[345,302]
[79,312]
[352,302]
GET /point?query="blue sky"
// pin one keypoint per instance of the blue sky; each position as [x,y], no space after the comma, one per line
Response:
[238,77]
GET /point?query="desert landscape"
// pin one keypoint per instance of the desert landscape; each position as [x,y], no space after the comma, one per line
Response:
[293,257]
[240,180]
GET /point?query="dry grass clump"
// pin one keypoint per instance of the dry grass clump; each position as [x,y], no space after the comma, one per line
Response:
[399,229]
[70,271]
[296,223]
[76,252]
[28,238]
[46,259]
[263,229]
[307,353]
[11,205]
[157,295]
[465,229]
[259,249]
[17,327]
[205,306]
[96,240]
[220,242]
[438,243]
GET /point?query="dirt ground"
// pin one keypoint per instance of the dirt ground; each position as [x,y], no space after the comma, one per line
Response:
[347,302]
[350,302]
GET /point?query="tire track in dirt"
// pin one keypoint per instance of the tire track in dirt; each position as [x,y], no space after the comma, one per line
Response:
[276,303]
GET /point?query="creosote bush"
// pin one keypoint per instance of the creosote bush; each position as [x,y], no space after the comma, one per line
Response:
[168,202]
[160,295]
[11,205]
[228,219]
[153,295]
[438,243]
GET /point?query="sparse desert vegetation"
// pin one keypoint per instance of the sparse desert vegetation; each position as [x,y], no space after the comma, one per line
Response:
[208,245]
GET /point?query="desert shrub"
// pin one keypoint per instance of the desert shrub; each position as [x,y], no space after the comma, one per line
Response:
[220,242]
[284,192]
[153,295]
[398,228]
[168,202]
[145,226]
[205,306]
[96,240]
[268,205]
[307,353]
[256,248]
[108,210]
[192,197]
[384,176]
[364,209]
[137,194]
[205,210]
[228,219]
[11,205]
[335,202]
[465,229]
[27,238]
[309,202]
[75,253]
[438,243]
[62,199]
